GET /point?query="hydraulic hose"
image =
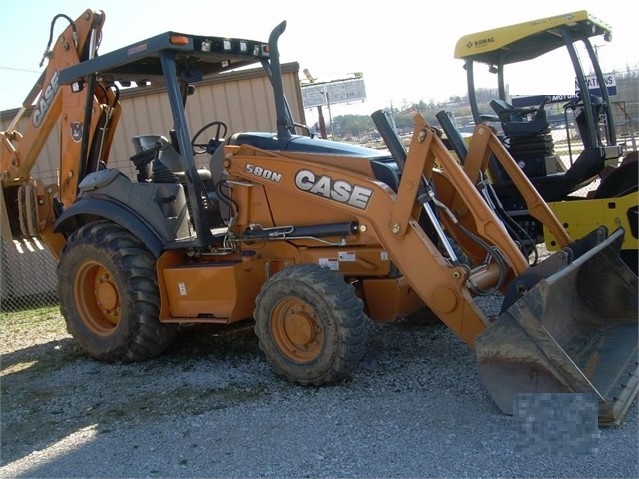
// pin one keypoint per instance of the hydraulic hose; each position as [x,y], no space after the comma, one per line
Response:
[47,51]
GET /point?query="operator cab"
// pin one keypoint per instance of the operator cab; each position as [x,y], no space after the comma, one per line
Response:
[555,172]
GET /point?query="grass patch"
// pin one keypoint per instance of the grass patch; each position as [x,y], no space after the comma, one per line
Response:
[20,329]
[25,320]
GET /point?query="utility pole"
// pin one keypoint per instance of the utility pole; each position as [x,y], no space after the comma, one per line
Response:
[322,123]
[328,104]
[320,113]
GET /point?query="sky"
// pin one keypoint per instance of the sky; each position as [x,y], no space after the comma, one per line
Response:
[404,48]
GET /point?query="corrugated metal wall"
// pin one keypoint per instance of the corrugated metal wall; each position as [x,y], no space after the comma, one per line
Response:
[242,99]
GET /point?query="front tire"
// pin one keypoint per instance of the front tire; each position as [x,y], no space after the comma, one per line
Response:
[310,325]
[109,295]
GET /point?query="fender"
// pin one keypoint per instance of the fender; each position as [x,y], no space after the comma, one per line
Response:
[78,212]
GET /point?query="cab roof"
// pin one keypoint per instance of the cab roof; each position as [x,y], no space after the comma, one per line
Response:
[195,55]
[528,40]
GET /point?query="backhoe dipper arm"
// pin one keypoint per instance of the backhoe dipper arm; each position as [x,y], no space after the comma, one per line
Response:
[20,150]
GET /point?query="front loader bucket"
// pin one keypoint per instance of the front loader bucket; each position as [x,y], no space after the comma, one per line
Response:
[574,330]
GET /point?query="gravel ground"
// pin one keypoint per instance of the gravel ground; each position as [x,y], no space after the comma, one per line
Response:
[212,407]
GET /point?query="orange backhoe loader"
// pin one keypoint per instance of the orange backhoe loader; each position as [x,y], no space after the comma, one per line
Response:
[308,237]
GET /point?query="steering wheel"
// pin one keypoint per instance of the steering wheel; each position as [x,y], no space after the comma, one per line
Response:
[543,103]
[534,112]
[540,112]
[220,133]
[304,128]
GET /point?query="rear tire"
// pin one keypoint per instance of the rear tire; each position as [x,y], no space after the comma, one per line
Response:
[310,325]
[109,295]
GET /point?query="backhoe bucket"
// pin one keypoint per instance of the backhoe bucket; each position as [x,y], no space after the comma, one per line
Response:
[568,326]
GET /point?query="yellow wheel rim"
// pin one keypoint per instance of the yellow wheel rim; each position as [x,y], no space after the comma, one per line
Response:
[296,330]
[97,298]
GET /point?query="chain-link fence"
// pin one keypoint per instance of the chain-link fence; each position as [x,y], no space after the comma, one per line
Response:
[27,275]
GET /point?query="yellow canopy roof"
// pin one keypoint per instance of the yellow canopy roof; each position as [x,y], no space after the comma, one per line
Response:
[524,41]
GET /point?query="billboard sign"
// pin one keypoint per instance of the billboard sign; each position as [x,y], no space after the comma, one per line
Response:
[339,91]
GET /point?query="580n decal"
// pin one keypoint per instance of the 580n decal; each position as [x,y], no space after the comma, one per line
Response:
[263,173]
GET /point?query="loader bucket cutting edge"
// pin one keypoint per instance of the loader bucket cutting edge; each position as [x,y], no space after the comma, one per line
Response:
[575,331]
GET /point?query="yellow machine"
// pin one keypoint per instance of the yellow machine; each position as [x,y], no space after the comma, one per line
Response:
[588,149]
[309,238]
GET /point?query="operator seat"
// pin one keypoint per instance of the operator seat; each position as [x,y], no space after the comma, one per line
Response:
[515,122]
[146,148]
[526,137]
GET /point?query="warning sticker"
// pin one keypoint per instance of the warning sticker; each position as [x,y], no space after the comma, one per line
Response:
[346,256]
[383,255]
[330,263]
[182,288]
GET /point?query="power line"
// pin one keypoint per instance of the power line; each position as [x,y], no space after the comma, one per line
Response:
[19,70]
